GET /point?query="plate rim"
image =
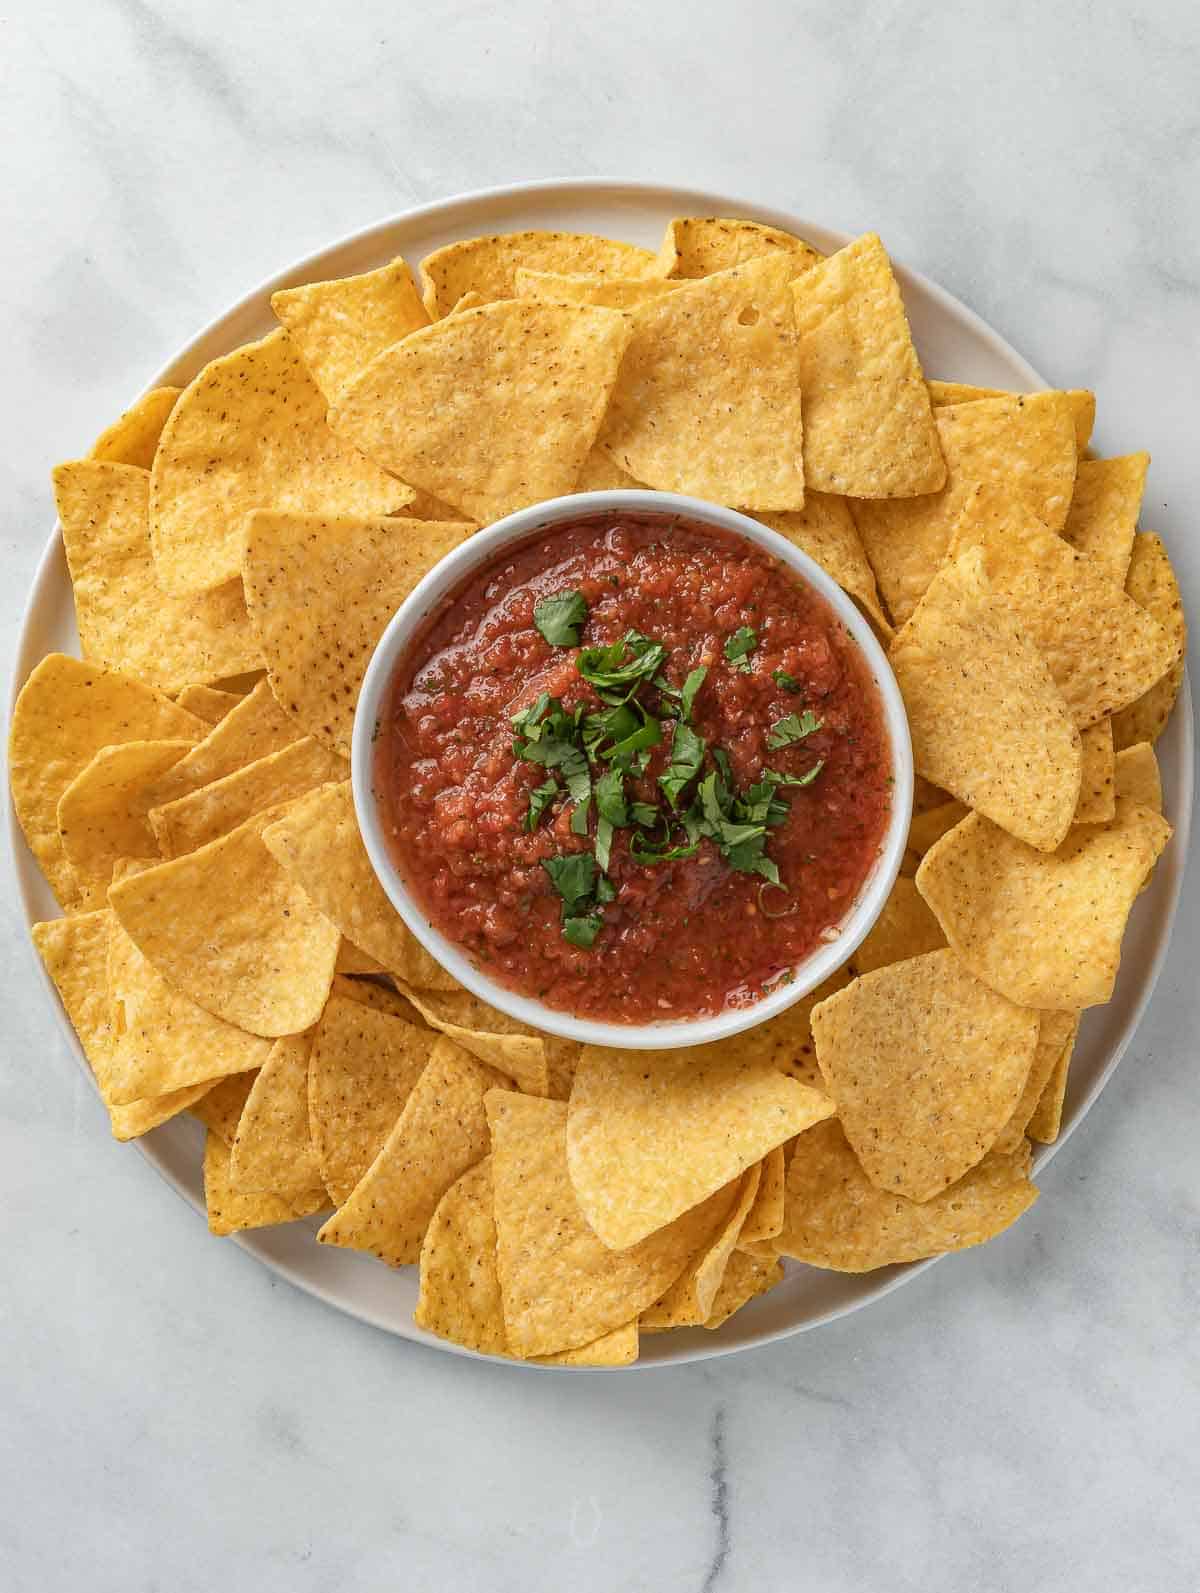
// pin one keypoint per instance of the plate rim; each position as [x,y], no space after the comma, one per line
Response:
[672,198]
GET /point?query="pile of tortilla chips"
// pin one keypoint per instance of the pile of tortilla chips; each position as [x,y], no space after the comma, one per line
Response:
[238,546]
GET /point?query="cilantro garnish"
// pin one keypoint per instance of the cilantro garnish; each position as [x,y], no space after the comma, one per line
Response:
[792,728]
[786,681]
[687,756]
[617,670]
[582,931]
[540,799]
[739,646]
[559,617]
[574,876]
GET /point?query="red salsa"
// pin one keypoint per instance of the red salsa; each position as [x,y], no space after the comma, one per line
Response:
[635,768]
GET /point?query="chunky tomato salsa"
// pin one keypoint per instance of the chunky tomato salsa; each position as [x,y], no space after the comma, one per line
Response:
[635,768]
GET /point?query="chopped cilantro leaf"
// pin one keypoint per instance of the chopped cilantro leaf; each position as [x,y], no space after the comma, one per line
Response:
[786,681]
[558,618]
[582,931]
[618,669]
[644,814]
[573,875]
[739,646]
[806,778]
[687,756]
[792,728]
[642,852]
[610,799]
[539,800]
[691,686]
[580,816]
[604,835]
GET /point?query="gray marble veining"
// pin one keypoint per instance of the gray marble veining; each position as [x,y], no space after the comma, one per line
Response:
[1024,1417]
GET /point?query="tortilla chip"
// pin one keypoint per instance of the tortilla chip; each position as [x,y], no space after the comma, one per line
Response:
[102,813]
[690,1299]
[469,301]
[317,843]
[232,1211]
[226,926]
[1046,1121]
[126,621]
[1104,511]
[1151,584]
[926,1065]
[321,594]
[905,928]
[66,712]
[562,1287]
[652,1133]
[1082,402]
[1042,928]
[746,1277]
[599,473]
[988,722]
[1057,1030]
[926,795]
[220,1108]
[489,265]
[1103,649]
[930,826]
[1024,447]
[272,1150]
[708,400]
[339,326]
[618,1348]
[513,1048]
[605,293]
[868,423]
[700,246]
[249,431]
[765,1217]
[459,1295]
[785,1042]
[1136,776]
[1097,800]
[493,409]
[371,993]
[192,821]
[441,1131]
[163,1041]
[825,530]
[363,1068]
[133,436]
[255,728]
[352,959]
[207,703]
[837,1218]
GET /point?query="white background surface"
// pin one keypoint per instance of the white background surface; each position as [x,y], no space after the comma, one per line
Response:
[1020,1417]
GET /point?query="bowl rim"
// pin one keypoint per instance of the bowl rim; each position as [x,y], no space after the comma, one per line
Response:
[456,567]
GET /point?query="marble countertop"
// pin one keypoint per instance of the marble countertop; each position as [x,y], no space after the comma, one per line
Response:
[171,1416]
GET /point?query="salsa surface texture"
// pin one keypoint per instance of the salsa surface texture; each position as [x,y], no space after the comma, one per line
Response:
[691,935]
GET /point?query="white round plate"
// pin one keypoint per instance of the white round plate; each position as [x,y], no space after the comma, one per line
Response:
[953,343]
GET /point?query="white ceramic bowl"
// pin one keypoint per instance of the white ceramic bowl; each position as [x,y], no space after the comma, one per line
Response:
[449,575]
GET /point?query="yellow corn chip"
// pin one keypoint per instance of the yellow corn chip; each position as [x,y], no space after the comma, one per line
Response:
[251,730]
[690,1299]
[321,593]
[66,712]
[926,795]
[605,293]
[220,1108]
[602,474]
[709,396]
[228,927]
[562,1060]
[699,246]
[459,1295]
[765,1217]
[469,301]
[231,1210]
[272,1151]
[1042,928]
[837,1218]
[1152,585]
[926,1065]
[249,431]
[441,1131]
[987,720]
[1046,1121]
[1024,447]
[372,993]
[1057,1031]
[1097,799]
[352,959]
[618,1348]
[1136,776]
[489,265]
[905,928]
[126,621]
[746,1277]
[1103,649]
[1082,402]
[652,1133]
[492,409]
[318,844]
[340,326]
[207,703]
[1104,511]
[868,423]
[102,813]
[825,530]
[362,1069]
[561,1286]
[785,1042]
[512,1047]
[133,436]
[201,816]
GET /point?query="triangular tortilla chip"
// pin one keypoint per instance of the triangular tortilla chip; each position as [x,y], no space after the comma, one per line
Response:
[652,1133]
[988,722]
[785,1042]
[690,1299]
[133,436]
[868,423]
[255,727]
[207,702]
[605,293]
[825,530]
[272,1150]
[1082,402]
[1136,776]
[220,1108]
[493,409]
[1152,585]
[746,1277]
[1046,1121]
[321,593]
[508,1045]
[837,1218]
[1025,446]
[66,712]
[339,326]
[459,1295]
[926,1065]
[709,396]
[905,928]
[232,1211]
[765,1217]
[488,266]
[102,815]
[1097,798]
[228,927]
[699,246]
[249,431]
[1104,511]
[1057,1030]
[1043,928]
